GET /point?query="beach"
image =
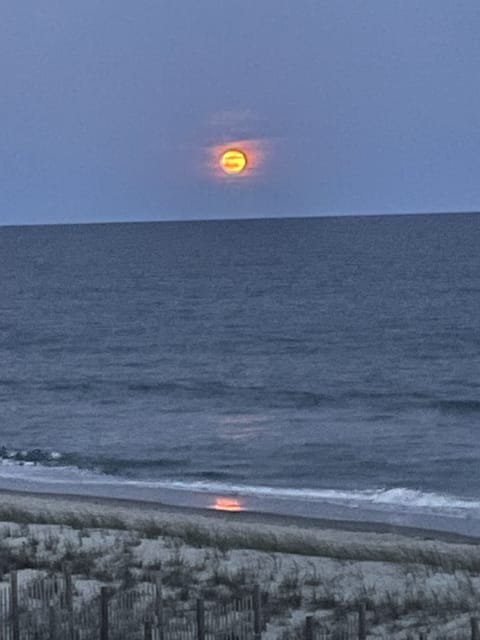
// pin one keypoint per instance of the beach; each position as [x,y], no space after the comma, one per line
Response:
[410,579]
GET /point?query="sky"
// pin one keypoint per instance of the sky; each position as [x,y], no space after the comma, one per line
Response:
[114,111]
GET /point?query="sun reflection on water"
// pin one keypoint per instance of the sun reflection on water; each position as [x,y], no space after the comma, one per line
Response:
[222,503]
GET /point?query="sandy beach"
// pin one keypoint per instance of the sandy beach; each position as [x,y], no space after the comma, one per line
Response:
[411,580]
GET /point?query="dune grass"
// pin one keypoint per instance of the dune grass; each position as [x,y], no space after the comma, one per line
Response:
[273,539]
[198,555]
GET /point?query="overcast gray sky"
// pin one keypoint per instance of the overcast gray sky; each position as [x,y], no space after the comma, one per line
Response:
[109,109]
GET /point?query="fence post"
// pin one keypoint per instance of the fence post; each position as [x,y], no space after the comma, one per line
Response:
[309,628]
[362,626]
[423,636]
[475,629]
[257,612]
[148,631]
[67,574]
[14,605]
[159,604]
[104,613]
[200,619]
[52,625]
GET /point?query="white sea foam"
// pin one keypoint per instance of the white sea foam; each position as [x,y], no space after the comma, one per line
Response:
[394,499]
[28,470]
[397,497]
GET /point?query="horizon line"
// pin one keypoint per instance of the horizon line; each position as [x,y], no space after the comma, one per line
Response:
[241,218]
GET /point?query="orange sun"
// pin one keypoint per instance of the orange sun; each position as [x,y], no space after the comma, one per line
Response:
[233,161]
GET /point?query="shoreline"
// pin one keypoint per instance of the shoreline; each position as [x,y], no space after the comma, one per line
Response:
[410,577]
[450,516]
[135,509]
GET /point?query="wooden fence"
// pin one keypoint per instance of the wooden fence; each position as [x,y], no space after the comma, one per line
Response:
[353,626]
[46,610]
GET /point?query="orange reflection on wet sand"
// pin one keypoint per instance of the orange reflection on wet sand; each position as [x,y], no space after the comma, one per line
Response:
[227,504]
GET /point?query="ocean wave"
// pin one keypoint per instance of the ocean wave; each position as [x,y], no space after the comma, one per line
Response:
[69,386]
[194,389]
[100,463]
[386,395]
[258,395]
[8,382]
[395,497]
[458,406]
[52,467]
[216,388]
[32,455]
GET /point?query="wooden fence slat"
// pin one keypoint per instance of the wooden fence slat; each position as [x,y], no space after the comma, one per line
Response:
[148,631]
[474,628]
[200,619]
[362,625]
[14,605]
[67,574]
[257,612]
[104,613]
[3,604]
[7,608]
[309,628]
[52,623]
[158,607]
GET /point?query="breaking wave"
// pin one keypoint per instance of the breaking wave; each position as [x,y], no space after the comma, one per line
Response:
[67,469]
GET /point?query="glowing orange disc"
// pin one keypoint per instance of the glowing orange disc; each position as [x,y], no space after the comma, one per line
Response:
[227,504]
[233,161]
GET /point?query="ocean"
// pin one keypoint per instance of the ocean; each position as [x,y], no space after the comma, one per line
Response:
[310,366]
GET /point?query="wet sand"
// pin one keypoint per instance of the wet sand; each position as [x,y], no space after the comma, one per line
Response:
[59,503]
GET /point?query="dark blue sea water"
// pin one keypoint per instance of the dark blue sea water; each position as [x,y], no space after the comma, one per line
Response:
[328,361]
